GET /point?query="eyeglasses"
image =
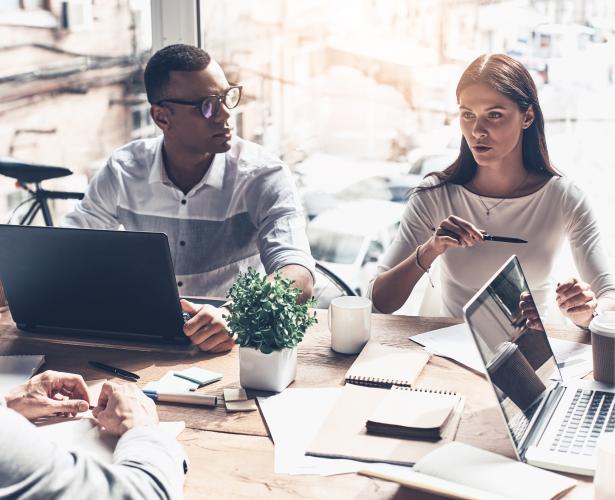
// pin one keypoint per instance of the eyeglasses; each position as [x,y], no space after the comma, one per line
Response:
[210,104]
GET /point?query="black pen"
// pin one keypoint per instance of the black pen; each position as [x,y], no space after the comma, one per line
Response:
[503,239]
[491,237]
[118,372]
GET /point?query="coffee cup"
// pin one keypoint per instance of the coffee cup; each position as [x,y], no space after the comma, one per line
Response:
[534,345]
[512,373]
[350,321]
[602,330]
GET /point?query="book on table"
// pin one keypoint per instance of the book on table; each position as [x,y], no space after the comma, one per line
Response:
[343,433]
[457,470]
[384,366]
[413,413]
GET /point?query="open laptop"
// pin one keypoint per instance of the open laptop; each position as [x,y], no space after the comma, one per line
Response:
[553,424]
[91,282]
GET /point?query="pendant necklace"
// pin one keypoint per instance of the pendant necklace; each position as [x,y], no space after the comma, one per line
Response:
[488,209]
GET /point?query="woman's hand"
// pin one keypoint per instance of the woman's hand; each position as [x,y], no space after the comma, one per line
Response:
[529,311]
[576,301]
[455,232]
[49,393]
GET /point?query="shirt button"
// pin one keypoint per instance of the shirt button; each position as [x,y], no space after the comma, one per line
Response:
[184,202]
[182,243]
[180,283]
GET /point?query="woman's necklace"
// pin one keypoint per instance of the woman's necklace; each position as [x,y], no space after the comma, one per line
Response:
[488,209]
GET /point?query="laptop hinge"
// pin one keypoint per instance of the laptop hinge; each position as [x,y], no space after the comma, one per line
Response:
[541,418]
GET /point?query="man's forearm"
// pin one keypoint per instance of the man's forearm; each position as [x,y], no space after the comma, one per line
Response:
[302,278]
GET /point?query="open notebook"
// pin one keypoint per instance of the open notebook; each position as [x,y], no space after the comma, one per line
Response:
[17,369]
[413,413]
[82,433]
[458,470]
[384,366]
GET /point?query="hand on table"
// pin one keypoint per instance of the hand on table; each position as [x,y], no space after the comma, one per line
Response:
[122,407]
[207,327]
[576,301]
[49,393]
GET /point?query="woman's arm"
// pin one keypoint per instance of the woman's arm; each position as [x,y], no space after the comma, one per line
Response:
[578,299]
[392,287]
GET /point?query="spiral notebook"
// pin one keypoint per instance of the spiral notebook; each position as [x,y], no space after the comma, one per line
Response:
[413,413]
[343,433]
[384,366]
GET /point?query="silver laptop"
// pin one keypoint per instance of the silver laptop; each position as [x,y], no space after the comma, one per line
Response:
[553,424]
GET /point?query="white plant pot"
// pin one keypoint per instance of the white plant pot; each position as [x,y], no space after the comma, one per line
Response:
[267,372]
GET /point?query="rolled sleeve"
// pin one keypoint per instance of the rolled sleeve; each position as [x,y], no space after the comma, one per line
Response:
[275,210]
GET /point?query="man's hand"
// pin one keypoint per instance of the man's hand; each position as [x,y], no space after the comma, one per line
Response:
[122,407]
[576,301]
[49,393]
[207,328]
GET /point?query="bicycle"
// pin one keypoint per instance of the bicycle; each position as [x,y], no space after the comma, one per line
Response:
[32,173]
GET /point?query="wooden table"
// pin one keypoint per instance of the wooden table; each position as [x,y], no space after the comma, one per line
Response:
[231,454]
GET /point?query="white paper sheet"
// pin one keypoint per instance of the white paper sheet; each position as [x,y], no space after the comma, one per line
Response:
[455,342]
[83,434]
[16,370]
[294,418]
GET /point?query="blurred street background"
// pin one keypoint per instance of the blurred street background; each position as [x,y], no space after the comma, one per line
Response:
[356,96]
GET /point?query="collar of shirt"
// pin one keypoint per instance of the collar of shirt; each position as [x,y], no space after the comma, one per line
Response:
[214,177]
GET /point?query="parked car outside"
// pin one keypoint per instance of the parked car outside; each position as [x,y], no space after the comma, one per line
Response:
[349,239]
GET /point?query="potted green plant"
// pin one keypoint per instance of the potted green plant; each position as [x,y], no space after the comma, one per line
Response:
[268,323]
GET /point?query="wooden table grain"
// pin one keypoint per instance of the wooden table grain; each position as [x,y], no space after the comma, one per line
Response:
[231,454]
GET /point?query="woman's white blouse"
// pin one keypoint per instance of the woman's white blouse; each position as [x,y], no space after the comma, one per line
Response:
[545,218]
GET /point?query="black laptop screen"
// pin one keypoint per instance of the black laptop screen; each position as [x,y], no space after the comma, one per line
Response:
[519,360]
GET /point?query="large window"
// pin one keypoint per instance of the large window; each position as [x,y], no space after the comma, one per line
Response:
[71,87]
[375,81]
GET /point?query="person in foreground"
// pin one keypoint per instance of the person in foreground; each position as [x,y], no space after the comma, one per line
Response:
[502,183]
[224,203]
[146,463]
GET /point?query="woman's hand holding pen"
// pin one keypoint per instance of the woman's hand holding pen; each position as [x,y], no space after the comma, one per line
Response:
[454,232]
[576,301]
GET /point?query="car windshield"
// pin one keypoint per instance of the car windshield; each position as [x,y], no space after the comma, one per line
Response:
[338,248]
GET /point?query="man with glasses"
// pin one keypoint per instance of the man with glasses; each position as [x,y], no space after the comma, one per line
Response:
[224,203]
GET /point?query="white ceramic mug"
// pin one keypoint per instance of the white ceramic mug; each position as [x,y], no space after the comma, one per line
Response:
[350,323]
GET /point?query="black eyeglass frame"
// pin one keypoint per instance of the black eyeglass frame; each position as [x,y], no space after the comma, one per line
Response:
[220,99]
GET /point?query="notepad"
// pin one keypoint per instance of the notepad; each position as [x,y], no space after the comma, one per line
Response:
[413,413]
[458,470]
[16,370]
[384,366]
[343,433]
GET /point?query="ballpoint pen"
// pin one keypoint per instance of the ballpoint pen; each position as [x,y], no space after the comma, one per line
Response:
[503,239]
[118,372]
[491,237]
[182,397]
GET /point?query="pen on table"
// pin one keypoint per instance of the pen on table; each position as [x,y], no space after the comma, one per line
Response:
[118,372]
[182,397]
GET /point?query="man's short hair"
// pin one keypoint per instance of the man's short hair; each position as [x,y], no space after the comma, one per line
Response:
[177,57]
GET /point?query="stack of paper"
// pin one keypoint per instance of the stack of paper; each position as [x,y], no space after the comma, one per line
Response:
[16,370]
[294,418]
[455,342]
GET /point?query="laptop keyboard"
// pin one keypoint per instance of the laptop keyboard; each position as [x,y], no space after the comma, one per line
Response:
[590,414]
